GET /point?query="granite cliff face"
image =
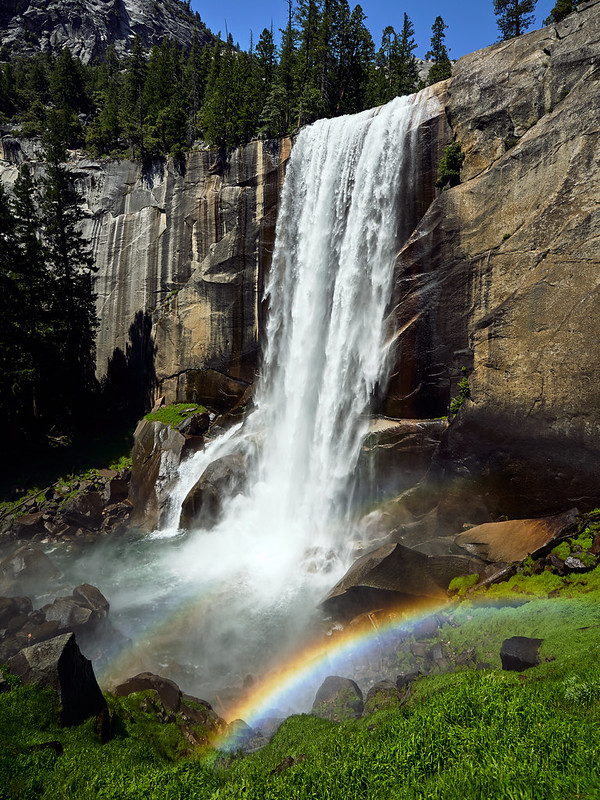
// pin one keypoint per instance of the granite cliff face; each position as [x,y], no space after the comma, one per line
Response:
[180,250]
[87,28]
[501,276]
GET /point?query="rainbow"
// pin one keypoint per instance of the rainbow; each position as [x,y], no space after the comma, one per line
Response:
[335,654]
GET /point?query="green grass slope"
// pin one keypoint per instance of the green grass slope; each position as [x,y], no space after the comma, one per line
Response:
[471,733]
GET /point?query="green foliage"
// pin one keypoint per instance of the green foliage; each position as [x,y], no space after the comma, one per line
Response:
[13,681]
[578,692]
[442,68]
[47,304]
[560,10]
[469,734]
[513,17]
[461,583]
[156,104]
[450,164]
[464,391]
[562,551]
[174,414]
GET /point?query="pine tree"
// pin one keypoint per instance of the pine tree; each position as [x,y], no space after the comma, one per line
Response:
[68,93]
[308,73]
[356,56]
[561,9]
[163,100]
[442,68]
[513,17]
[73,310]
[276,115]
[11,354]
[35,287]
[105,132]
[195,77]
[133,110]
[406,65]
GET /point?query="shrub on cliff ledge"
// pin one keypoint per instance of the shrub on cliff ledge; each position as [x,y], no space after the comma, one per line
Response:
[450,164]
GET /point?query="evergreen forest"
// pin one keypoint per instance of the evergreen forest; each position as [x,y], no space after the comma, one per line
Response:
[163,101]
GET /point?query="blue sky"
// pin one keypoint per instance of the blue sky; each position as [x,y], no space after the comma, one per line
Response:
[471,23]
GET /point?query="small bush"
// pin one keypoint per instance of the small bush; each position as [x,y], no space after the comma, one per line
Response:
[464,391]
[450,164]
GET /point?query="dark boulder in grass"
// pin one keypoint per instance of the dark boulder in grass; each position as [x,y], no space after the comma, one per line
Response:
[338,699]
[383,695]
[167,690]
[58,663]
[197,716]
[520,653]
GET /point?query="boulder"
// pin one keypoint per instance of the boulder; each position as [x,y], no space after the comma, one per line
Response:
[394,575]
[337,699]
[68,613]
[383,695]
[27,567]
[396,454]
[167,690]
[405,680]
[26,526]
[13,606]
[156,456]
[200,712]
[224,478]
[426,628]
[116,490]
[240,735]
[514,540]
[520,653]
[59,664]
[84,510]
[195,424]
[92,598]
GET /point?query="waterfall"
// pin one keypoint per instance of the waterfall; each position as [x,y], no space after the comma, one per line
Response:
[346,207]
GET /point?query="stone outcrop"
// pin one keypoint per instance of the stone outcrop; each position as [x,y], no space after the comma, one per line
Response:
[501,276]
[59,664]
[157,451]
[338,699]
[514,540]
[520,653]
[85,612]
[195,718]
[28,26]
[396,454]
[80,510]
[223,478]
[395,576]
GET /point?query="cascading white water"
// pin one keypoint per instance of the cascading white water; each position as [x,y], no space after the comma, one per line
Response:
[344,210]
[254,579]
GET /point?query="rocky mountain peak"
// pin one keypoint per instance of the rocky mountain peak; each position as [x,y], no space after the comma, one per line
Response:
[88,27]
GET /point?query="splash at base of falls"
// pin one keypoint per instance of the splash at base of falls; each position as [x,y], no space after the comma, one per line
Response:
[210,607]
